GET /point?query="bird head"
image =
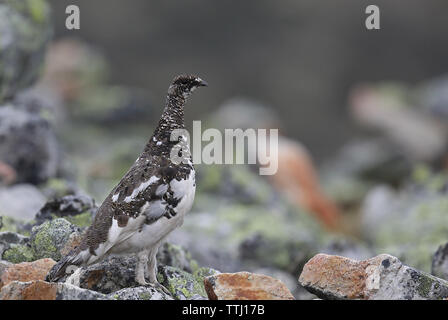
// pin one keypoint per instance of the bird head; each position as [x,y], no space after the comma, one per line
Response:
[184,85]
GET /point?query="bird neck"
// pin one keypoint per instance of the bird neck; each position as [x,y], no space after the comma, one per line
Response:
[172,118]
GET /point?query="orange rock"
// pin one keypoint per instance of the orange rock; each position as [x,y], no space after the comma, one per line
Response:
[245,286]
[297,178]
[339,275]
[26,271]
[383,277]
[33,290]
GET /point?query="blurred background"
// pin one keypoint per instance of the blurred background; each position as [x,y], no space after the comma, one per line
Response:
[363,117]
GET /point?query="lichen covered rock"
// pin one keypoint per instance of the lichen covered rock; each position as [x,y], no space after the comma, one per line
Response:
[383,277]
[54,238]
[15,247]
[181,284]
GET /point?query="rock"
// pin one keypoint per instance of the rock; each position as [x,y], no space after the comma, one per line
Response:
[383,277]
[181,284]
[245,286]
[26,271]
[41,290]
[25,30]
[18,253]
[110,275]
[77,209]
[53,239]
[439,267]
[176,256]
[15,247]
[21,201]
[28,144]
[139,293]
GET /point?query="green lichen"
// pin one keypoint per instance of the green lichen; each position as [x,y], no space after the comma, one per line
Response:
[145,296]
[9,224]
[425,286]
[181,283]
[201,273]
[81,220]
[48,238]
[18,253]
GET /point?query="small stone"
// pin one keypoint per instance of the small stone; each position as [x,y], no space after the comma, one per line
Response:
[383,277]
[26,271]
[245,286]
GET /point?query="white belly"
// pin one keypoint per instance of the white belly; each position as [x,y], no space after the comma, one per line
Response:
[151,235]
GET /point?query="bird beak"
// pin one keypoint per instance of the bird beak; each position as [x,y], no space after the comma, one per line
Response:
[201,83]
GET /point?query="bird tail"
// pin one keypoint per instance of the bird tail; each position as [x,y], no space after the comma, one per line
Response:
[65,266]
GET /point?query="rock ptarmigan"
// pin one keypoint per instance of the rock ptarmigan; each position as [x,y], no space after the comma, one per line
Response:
[148,203]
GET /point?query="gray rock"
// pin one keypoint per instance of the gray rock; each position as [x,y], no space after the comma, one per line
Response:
[54,238]
[110,275]
[67,291]
[21,201]
[28,144]
[68,207]
[15,247]
[139,293]
[25,30]
[439,267]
